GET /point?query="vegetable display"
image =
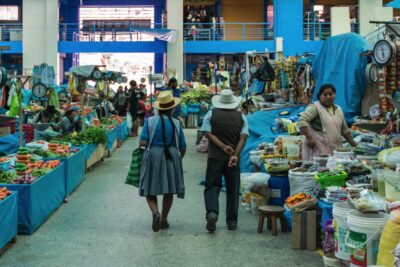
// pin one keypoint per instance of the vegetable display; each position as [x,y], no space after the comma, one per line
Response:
[7,177]
[196,96]
[91,135]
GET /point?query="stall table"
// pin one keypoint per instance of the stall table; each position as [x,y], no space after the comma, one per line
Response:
[37,201]
[8,219]
[122,132]
[112,141]
[94,154]
[74,170]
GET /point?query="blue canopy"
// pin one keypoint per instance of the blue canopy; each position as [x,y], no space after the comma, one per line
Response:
[394,4]
[339,63]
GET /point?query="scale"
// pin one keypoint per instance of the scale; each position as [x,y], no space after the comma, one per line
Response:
[39,90]
[384,52]
[371,72]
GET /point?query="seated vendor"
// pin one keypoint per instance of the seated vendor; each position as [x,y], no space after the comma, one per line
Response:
[323,125]
[70,122]
[49,115]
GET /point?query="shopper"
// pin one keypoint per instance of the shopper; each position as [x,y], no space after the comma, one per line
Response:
[323,125]
[176,92]
[161,170]
[133,107]
[227,131]
[121,101]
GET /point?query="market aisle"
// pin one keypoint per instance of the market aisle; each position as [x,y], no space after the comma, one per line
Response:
[106,223]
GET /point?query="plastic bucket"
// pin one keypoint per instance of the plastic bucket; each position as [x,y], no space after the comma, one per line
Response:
[279,190]
[256,202]
[340,211]
[363,236]
[332,262]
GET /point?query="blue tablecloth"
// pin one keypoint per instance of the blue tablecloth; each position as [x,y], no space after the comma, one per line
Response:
[326,209]
[122,131]
[9,144]
[75,167]
[111,137]
[37,201]
[8,218]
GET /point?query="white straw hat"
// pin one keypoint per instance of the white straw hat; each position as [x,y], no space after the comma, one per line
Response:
[226,100]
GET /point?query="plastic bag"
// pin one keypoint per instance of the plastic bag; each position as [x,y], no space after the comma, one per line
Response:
[53,99]
[301,182]
[389,239]
[390,157]
[14,107]
[202,147]
[129,120]
[368,202]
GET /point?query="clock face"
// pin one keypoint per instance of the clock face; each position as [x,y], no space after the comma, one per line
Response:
[39,90]
[126,79]
[97,74]
[383,52]
[373,73]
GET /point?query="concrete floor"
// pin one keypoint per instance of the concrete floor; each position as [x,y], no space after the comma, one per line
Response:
[106,223]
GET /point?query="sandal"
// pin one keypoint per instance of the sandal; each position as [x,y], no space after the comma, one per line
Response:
[164,225]
[156,222]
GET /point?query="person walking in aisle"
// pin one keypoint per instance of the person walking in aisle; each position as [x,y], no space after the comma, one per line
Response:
[120,101]
[161,171]
[227,131]
[133,107]
[176,92]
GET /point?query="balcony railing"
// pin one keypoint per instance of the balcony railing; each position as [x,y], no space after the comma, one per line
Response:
[105,32]
[314,31]
[10,32]
[231,31]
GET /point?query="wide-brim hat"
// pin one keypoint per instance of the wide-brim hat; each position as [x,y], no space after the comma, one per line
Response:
[226,100]
[166,101]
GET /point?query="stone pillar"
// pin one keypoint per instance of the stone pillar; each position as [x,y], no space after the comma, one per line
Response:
[40,33]
[175,50]
[340,20]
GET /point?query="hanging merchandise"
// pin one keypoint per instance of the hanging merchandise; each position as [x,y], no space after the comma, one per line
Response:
[3,77]
[43,74]
[13,100]
[73,85]
[53,98]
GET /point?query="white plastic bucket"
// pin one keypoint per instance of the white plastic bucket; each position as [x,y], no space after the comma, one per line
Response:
[363,236]
[340,211]
[332,262]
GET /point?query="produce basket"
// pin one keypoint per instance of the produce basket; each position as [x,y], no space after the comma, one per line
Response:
[326,179]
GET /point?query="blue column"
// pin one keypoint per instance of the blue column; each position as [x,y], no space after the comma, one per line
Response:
[265,19]
[158,62]
[288,18]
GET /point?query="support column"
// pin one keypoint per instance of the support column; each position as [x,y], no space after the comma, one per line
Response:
[175,50]
[340,20]
[372,10]
[40,33]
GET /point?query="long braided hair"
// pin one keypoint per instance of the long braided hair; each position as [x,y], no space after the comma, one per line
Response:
[167,113]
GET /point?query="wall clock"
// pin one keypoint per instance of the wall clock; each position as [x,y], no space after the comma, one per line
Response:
[384,52]
[39,90]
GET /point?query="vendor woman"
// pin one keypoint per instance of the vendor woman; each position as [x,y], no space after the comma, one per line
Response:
[70,122]
[323,125]
[49,115]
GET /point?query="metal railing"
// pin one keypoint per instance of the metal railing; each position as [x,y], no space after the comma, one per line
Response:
[316,31]
[121,32]
[227,31]
[10,32]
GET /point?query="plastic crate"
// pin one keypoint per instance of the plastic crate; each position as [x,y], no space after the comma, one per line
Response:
[325,179]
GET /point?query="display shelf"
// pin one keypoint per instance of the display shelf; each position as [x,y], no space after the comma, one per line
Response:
[74,170]
[94,154]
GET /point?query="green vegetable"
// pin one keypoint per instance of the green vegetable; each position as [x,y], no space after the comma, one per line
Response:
[91,135]
[196,96]
[7,177]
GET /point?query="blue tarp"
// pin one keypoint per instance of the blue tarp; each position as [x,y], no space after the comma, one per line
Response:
[8,219]
[111,137]
[394,4]
[260,131]
[9,144]
[75,168]
[326,209]
[122,131]
[37,201]
[339,63]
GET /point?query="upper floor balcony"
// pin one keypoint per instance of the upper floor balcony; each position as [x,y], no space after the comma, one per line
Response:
[10,32]
[319,31]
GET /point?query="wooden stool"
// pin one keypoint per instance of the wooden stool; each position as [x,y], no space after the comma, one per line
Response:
[272,213]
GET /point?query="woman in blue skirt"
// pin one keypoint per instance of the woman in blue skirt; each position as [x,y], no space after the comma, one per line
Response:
[161,171]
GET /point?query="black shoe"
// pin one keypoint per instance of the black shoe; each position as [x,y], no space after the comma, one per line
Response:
[232,227]
[164,225]
[156,222]
[212,219]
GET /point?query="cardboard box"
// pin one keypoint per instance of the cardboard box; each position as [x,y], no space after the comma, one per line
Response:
[5,131]
[304,230]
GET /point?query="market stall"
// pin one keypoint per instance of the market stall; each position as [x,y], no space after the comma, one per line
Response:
[8,216]
[39,199]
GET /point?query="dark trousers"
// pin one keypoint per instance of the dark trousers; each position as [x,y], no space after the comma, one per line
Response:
[215,170]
